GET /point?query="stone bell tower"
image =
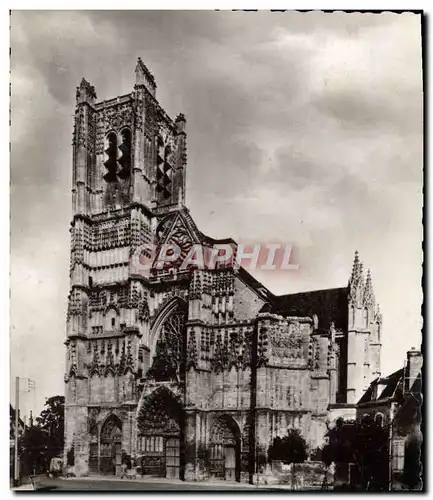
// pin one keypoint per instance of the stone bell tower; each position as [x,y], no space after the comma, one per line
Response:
[129,161]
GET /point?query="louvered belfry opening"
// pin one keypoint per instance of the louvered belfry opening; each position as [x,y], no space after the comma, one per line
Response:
[118,163]
[164,172]
[125,156]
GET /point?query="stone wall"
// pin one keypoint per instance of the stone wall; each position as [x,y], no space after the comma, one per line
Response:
[247,302]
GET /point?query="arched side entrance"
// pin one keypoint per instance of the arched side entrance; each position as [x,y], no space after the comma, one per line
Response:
[160,425]
[225,444]
[110,448]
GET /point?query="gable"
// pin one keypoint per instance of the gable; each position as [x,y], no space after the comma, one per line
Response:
[178,231]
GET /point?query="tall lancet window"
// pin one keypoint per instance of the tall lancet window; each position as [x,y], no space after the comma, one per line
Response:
[125,162]
[164,172]
[125,157]
[366,318]
[111,155]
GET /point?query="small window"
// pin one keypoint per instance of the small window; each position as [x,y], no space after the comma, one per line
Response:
[365,418]
[379,419]
[398,454]
[113,322]
[90,281]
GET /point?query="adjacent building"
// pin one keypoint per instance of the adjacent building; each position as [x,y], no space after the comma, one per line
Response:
[396,401]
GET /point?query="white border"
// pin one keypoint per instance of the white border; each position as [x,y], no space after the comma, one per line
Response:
[138,5]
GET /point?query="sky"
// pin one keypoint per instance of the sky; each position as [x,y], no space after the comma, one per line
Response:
[303,128]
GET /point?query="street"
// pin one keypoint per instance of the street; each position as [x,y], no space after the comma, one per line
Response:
[97,484]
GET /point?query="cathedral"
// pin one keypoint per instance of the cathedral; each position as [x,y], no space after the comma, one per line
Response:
[189,372]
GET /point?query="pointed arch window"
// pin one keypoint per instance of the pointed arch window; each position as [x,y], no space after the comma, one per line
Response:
[169,360]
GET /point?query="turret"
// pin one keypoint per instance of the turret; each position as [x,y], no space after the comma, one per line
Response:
[144,77]
[363,336]
[85,92]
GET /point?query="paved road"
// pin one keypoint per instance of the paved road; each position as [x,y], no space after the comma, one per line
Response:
[150,485]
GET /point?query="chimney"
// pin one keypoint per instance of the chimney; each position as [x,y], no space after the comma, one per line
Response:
[413,368]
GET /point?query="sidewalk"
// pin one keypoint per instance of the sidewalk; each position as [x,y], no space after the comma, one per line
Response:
[163,480]
[23,487]
[206,484]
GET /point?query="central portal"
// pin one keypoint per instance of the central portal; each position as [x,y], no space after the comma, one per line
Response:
[160,441]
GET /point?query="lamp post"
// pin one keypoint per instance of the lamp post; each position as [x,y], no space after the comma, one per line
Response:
[17,420]
[390,451]
[31,385]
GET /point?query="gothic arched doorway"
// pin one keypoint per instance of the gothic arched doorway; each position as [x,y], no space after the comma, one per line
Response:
[160,435]
[110,461]
[225,449]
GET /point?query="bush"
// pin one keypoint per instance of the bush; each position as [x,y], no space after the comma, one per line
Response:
[289,449]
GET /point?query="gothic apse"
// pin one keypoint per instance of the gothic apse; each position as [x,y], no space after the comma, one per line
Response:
[187,373]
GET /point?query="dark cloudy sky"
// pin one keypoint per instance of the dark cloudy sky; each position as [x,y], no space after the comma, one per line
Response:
[302,128]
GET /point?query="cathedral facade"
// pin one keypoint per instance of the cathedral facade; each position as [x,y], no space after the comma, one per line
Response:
[189,372]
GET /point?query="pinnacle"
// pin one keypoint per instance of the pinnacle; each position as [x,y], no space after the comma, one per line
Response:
[368,290]
[368,279]
[357,269]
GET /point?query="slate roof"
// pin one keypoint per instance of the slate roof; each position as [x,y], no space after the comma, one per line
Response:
[330,305]
[393,388]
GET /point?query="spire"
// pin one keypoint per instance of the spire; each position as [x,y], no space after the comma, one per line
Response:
[368,297]
[356,282]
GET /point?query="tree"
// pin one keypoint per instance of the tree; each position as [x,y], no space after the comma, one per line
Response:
[364,444]
[52,421]
[34,451]
[291,449]
[45,440]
